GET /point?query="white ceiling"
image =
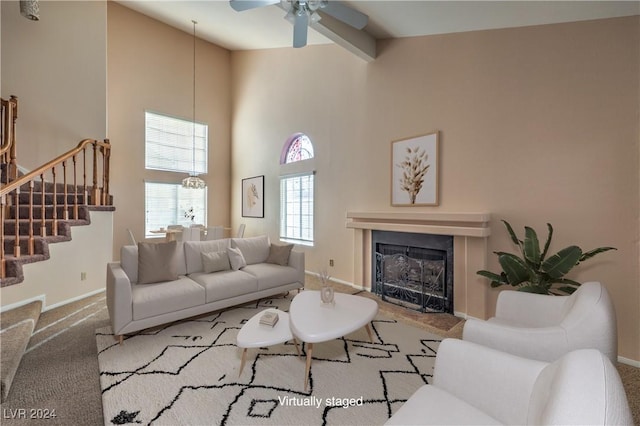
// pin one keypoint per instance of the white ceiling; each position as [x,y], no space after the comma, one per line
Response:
[265,27]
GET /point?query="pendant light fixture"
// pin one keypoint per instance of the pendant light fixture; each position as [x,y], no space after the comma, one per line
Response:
[193,181]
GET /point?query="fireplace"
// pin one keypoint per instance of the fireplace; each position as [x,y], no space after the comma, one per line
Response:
[413,270]
[470,294]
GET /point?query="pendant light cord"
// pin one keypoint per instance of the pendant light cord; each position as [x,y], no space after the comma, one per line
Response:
[194,97]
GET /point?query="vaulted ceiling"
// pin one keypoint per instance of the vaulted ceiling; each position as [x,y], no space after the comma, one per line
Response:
[264,27]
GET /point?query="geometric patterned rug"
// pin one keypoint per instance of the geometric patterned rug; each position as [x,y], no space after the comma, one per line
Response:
[187,373]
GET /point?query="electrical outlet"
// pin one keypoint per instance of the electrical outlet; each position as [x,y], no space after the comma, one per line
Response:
[330,262]
[83,276]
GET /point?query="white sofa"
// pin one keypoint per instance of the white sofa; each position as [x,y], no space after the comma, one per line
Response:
[546,327]
[134,306]
[473,384]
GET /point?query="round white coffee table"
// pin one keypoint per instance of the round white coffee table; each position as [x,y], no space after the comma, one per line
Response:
[313,321]
[256,335]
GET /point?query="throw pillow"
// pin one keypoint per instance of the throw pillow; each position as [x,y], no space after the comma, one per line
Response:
[215,261]
[157,262]
[279,254]
[236,258]
[254,249]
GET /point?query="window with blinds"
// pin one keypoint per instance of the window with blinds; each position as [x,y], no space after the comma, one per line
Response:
[171,204]
[169,144]
[296,208]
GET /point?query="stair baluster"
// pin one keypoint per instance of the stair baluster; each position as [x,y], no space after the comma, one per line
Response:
[65,214]
[54,223]
[30,245]
[43,223]
[16,245]
[75,189]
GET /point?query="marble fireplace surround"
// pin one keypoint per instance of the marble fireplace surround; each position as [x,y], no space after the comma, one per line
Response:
[470,232]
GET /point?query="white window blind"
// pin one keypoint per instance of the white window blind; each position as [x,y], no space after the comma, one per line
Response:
[169,144]
[296,208]
[171,204]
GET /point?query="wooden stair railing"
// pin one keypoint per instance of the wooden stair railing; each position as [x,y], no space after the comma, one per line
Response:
[46,176]
[8,137]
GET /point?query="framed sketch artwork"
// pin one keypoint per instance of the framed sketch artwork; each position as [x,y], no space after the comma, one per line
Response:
[414,171]
[253,197]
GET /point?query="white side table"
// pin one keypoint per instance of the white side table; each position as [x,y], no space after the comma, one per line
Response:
[313,321]
[256,335]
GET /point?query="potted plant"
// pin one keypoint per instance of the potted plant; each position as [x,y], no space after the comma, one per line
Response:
[533,271]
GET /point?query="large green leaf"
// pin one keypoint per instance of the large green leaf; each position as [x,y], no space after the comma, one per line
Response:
[516,269]
[593,252]
[567,289]
[496,280]
[531,247]
[562,262]
[514,238]
[547,243]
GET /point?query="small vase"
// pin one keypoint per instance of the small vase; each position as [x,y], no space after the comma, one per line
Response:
[326,294]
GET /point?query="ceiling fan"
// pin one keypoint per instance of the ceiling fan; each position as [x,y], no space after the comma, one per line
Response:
[303,12]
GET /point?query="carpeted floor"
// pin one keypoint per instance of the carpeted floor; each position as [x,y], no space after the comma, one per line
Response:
[61,373]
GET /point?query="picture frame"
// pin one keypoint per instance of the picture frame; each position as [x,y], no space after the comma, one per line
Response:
[253,196]
[415,170]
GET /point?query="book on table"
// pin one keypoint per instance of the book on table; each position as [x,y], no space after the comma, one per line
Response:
[269,318]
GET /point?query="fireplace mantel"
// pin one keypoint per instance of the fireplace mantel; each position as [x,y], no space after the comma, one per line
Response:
[469,231]
[456,224]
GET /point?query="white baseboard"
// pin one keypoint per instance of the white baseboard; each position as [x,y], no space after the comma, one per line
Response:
[42,298]
[73,299]
[336,280]
[627,361]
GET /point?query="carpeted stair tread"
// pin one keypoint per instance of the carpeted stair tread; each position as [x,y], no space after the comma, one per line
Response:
[17,327]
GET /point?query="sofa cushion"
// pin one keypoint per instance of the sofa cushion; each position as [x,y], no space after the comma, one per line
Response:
[215,261]
[193,250]
[155,299]
[270,275]
[279,254]
[254,249]
[236,259]
[129,261]
[157,262]
[225,284]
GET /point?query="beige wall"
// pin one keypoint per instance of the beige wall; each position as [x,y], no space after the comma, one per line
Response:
[538,124]
[150,66]
[57,68]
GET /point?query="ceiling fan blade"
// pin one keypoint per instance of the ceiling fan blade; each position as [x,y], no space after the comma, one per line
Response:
[241,5]
[345,14]
[300,30]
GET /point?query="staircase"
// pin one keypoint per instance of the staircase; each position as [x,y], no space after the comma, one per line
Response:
[40,207]
[17,328]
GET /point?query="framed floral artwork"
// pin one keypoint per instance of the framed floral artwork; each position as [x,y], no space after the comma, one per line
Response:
[414,171]
[253,196]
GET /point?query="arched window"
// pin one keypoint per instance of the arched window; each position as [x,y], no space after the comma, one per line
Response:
[297,148]
[297,190]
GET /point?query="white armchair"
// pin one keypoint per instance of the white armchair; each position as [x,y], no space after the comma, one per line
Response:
[473,384]
[546,327]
